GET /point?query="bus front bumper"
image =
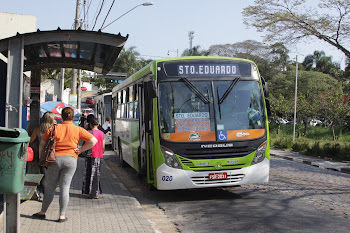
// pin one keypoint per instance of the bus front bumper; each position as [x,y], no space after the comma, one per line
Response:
[170,178]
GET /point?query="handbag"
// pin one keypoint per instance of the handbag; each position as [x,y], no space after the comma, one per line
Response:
[30,154]
[48,155]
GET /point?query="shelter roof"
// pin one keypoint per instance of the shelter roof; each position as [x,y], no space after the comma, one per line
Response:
[80,49]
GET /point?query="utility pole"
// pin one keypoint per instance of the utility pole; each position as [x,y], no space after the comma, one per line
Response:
[191,36]
[76,26]
[74,71]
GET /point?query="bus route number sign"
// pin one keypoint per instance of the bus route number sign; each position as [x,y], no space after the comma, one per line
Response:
[218,176]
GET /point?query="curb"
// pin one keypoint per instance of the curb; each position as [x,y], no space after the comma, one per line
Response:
[335,166]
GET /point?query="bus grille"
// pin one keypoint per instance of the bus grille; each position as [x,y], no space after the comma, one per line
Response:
[215,153]
[204,180]
[191,165]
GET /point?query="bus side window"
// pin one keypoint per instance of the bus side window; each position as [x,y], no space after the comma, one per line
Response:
[130,102]
[124,105]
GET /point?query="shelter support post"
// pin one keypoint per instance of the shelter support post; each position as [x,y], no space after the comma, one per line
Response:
[13,119]
[14,85]
[35,97]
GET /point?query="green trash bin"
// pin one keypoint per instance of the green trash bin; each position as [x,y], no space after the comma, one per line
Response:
[13,154]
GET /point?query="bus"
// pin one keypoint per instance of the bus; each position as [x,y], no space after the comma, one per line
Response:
[193,122]
[103,110]
[103,107]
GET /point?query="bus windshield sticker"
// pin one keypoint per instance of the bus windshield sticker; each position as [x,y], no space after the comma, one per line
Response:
[191,115]
[194,137]
[220,127]
[222,135]
[242,134]
[192,122]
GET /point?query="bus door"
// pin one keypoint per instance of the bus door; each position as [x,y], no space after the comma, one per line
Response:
[142,153]
[147,123]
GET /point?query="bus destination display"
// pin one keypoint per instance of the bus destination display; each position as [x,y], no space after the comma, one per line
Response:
[207,69]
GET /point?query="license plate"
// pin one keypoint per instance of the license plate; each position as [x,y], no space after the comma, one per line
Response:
[217,176]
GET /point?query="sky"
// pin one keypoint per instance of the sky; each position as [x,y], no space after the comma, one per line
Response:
[160,30]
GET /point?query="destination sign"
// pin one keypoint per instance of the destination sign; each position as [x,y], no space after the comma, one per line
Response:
[192,69]
[198,69]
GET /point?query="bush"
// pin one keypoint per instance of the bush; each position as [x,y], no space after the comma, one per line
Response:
[317,142]
[300,146]
[315,150]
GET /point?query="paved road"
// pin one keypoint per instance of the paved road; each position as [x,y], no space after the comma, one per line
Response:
[298,198]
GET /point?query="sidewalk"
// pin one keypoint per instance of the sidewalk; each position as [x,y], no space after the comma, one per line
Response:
[317,162]
[115,211]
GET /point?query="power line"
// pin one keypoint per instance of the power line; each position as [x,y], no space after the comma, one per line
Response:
[93,18]
[103,1]
[110,8]
[87,11]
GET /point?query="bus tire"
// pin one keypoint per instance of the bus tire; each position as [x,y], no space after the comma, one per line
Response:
[120,152]
[151,188]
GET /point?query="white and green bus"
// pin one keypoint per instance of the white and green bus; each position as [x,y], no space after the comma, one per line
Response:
[103,107]
[193,122]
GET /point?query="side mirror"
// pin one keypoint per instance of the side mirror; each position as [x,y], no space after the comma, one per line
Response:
[266,90]
[265,87]
[154,85]
[268,107]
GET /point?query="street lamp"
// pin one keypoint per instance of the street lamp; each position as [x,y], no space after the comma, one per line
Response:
[143,4]
[295,97]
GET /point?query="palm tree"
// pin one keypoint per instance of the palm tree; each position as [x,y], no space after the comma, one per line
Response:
[322,63]
[313,60]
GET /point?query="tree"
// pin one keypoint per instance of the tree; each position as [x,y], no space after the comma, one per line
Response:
[289,21]
[306,109]
[310,84]
[128,61]
[313,60]
[195,51]
[322,63]
[280,108]
[251,47]
[270,59]
[335,107]
[280,56]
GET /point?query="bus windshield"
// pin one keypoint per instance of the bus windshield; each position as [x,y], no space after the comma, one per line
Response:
[217,110]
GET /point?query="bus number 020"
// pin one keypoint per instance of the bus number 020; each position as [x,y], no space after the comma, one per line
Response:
[167,178]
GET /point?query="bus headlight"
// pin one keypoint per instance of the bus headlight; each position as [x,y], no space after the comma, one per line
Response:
[170,158]
[260,154]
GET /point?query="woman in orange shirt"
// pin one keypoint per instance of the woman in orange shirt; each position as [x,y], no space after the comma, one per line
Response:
[67,137]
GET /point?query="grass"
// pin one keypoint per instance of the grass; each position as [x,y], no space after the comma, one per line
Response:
[317,142]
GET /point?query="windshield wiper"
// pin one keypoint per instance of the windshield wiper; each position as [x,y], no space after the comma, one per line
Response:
[195,91]
[217,94]
[229,89]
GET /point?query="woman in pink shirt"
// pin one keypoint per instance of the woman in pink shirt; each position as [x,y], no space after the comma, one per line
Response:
[91,182]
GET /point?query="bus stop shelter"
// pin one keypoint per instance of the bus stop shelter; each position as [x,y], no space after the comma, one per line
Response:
[79,49]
